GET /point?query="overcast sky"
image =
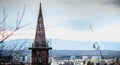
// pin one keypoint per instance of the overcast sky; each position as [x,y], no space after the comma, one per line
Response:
[67,19]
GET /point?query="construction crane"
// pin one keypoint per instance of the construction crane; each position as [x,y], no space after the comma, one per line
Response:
[96,45]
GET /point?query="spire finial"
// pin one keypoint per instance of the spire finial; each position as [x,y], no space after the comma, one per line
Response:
[40,3]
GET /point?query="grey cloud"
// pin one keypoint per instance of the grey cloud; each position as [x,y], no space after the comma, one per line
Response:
[116,2]
[68,1]
[113,2]
[83,25]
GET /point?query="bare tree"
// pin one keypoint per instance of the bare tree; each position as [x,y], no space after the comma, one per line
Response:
[3,28]
[18,26]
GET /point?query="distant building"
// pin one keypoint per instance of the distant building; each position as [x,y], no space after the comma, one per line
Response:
[68,63]
[25,59]
[72,58]
[95,59]
[85,58]
[16,58]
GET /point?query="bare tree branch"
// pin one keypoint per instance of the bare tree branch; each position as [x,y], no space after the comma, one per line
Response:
[21,16]
[20,48]
[18,22]
[17,19]
[4,19]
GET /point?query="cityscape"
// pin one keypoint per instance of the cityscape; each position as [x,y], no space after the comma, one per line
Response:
[59,32]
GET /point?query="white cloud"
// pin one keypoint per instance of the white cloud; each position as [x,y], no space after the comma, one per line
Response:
[107,33]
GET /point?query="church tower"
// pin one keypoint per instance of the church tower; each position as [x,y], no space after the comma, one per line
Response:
[40,48]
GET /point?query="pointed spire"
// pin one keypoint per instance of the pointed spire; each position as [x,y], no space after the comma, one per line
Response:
[40,11]
[40,39]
